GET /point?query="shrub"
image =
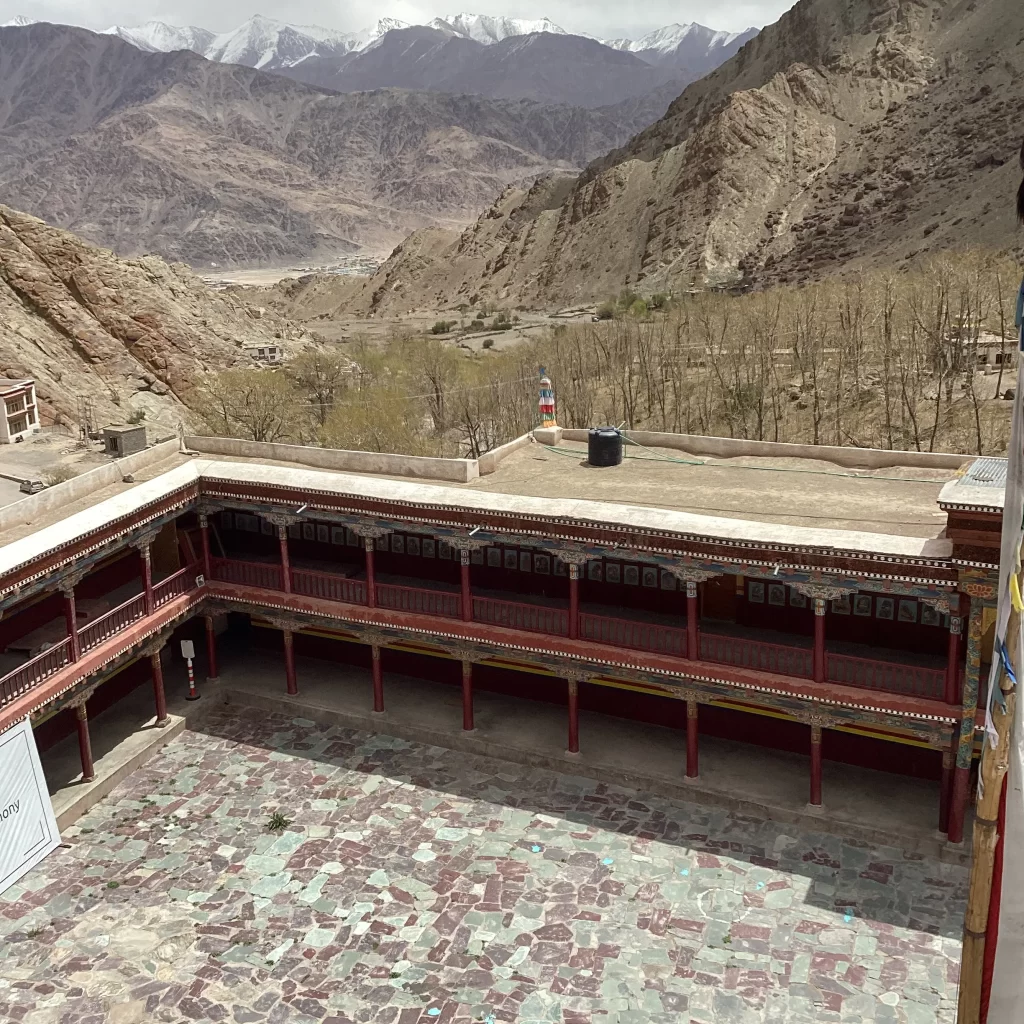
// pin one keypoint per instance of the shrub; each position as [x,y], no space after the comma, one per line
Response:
[638,308]
[137,416]
[606,311]
[659,301]
[442,327]
[488,343]
[58,475]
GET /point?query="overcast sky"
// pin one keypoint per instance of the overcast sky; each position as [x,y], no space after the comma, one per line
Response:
[602,18]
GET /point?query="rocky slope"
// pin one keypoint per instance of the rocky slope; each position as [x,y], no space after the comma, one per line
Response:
[223,164]
[127,334]
[851,133]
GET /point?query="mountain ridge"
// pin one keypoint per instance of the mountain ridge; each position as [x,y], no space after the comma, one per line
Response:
[787,162]
[224,164]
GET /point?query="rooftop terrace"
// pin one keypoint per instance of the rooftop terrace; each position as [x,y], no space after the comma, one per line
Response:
[834,498]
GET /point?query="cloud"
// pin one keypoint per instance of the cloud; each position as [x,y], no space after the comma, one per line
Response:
[602,18]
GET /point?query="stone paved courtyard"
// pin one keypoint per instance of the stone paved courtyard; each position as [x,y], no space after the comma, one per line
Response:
[418,885]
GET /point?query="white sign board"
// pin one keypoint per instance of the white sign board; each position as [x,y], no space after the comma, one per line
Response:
[188,650]
[28,829]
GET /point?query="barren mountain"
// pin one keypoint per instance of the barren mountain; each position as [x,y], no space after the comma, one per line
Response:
[851,133]
[127,334]
[554,68]
[219,163]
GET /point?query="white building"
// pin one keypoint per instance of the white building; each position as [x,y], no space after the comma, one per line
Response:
[21,415]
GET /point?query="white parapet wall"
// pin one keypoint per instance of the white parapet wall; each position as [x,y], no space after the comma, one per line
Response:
[732,448]
[458,471]
[417,467]
[59,495]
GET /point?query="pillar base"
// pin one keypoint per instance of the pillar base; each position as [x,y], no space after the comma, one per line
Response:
[572,753]
[815,808]
[213,679]
[88,778]
[162,723]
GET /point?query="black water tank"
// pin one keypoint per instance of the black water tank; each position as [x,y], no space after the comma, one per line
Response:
[604,447]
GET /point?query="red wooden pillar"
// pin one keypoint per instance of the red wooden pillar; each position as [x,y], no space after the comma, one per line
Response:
[946,789]
[289,662]
[71,619]
[159,697]
[952,689]
[815,765]
[574,602]
[691,738]
[467,695]
[84,743]
[819,641]
[371,585]
[378,679]
[692,626]
[147,575]
[212,669]
[958,803]
[286,565]
[204,533]
[467,594]
[574,713]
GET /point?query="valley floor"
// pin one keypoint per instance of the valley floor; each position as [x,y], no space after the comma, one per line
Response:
[418,884]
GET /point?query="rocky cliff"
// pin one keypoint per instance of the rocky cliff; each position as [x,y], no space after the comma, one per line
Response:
[851,133]
[127,335]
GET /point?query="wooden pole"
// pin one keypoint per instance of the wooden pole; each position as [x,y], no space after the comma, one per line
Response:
[994,764]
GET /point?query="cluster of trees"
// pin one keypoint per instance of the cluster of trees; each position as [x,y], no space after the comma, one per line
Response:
[884,359]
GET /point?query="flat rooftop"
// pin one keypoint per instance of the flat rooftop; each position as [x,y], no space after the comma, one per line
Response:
[761,494]
[900,500]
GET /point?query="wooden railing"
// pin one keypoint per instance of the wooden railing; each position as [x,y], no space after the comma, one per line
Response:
[755,654]
[106,626]
[264,575]
[891,677]
[638,636]
[328,587]
[33,672]
[174,586]
[417,599]
[532,618]
[741,652]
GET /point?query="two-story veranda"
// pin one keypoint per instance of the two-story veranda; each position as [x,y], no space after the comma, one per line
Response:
[835,605]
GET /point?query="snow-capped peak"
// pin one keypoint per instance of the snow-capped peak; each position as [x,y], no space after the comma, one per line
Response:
[487,29]
[18,21]
[158,37]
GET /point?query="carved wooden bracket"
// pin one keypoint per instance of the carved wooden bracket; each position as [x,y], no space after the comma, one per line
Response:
[572,556]
[69,581]
[822,591]
[461,543]
[692,574]
[282,520]
[143,541]
[370,532]
[944,604]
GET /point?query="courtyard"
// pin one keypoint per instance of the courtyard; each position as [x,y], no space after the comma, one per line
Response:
[416,884]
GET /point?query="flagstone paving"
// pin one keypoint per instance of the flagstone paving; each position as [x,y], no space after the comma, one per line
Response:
[413,884]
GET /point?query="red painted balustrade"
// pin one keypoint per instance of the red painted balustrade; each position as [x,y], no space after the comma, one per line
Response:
[416,599]
[174,586]
[738,651]
[531,618]
[264,575]
[755,654]
[328,586]
[912,680]
[638,636]
[41,667]
[106,626]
